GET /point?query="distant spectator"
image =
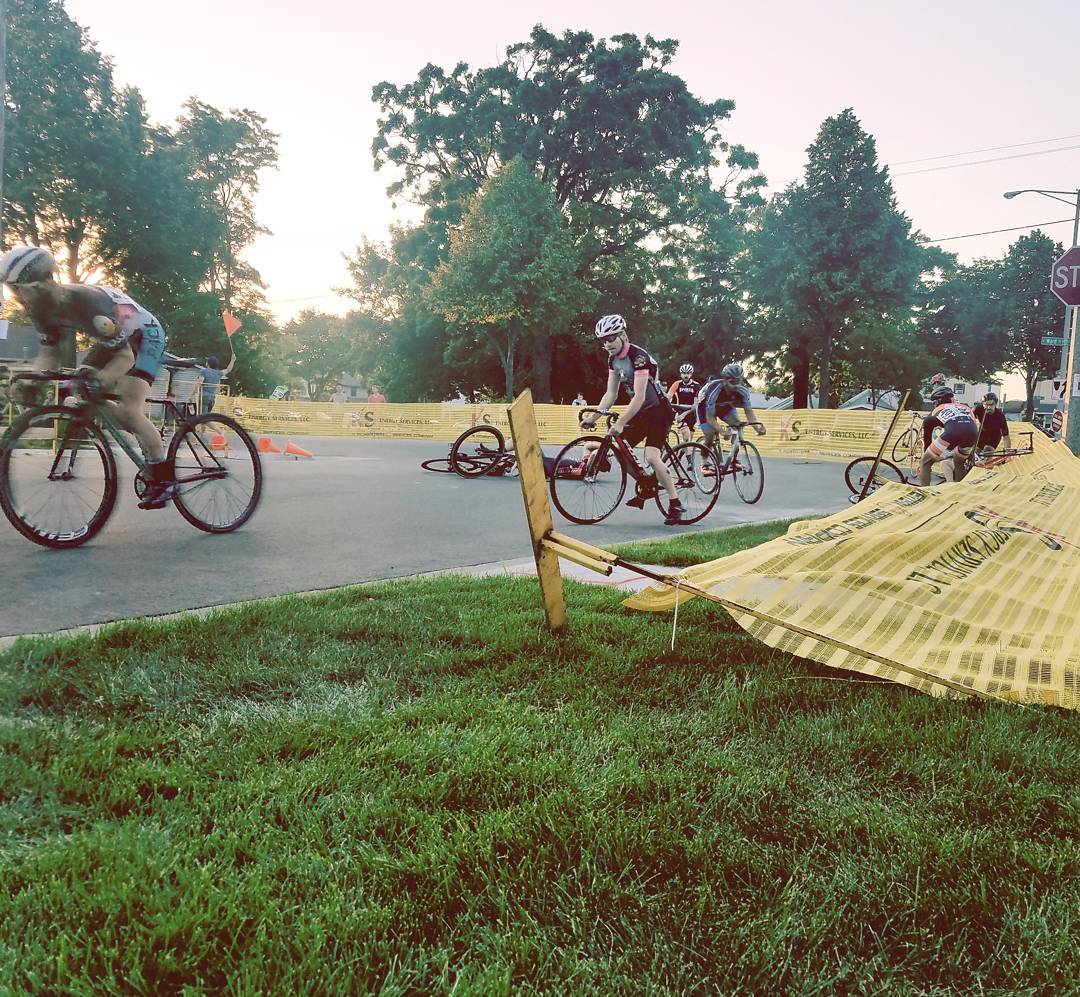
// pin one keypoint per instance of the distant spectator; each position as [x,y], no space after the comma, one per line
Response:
[210,378]
[580,400]
[339,397]
[376,397]
[993,426]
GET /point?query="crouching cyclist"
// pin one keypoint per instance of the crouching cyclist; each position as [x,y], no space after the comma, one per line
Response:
[649,415]
[718,401]
[959,433]
[126,356]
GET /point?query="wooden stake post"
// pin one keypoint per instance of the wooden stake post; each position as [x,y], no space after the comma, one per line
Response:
[530,461]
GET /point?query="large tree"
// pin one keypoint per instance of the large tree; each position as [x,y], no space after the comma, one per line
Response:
[61,134]
[227,154]
[636,162]
[1029,310]
[833,250]
[510,280]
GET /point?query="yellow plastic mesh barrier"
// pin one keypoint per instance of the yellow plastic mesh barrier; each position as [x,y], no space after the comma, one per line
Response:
[821,434]
[969,588]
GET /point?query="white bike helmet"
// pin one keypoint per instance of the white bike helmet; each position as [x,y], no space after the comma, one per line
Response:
[687,370]
[609,325]
[26,265]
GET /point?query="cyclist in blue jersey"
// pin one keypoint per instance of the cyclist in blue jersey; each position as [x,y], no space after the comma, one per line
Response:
[126,356]
[684,392]
[649,415]
[718,401]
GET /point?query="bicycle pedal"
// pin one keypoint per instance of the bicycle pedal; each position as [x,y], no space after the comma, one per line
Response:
[637,502]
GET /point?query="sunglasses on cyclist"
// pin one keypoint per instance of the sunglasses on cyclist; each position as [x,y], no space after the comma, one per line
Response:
[610,339]
[733,380]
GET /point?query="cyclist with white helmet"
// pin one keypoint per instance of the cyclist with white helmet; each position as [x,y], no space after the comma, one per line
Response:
[649,415]
[718,400]
[960,431]
[126,356]
[684,392]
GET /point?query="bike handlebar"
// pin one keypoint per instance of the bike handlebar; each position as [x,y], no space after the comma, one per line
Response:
[611,416]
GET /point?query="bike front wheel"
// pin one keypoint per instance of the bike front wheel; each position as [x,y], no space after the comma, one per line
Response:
[858,471]
[477,451]
[218,473]
[749,473]
[57,477]
[903,450]
[687,464]
[587,493]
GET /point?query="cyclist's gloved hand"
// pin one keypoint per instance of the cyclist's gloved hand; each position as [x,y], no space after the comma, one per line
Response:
[759,429]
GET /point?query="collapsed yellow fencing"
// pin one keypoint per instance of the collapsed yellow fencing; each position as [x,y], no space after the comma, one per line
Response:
[829,434]
[971,588]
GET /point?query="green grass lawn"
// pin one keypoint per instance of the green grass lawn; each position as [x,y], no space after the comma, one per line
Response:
[412,787]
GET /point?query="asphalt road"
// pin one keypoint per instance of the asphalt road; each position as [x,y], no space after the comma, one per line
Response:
[361,510]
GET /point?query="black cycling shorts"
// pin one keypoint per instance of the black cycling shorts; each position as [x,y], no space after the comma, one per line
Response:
[652,426]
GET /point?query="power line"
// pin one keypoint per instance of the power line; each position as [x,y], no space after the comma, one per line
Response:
[995,231]
[993,148]
[979,162]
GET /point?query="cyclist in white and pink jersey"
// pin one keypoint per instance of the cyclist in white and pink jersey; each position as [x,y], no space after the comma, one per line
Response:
[126,356]
[960,431]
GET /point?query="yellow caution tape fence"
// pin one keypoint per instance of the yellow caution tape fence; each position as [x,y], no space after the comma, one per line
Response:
[821,434]
[971,588]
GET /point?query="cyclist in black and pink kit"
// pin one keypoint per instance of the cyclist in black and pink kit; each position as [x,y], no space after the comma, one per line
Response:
[126,357]
[957,440]
[649,415]
[684,392]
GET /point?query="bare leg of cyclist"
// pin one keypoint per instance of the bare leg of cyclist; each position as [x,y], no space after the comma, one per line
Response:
[663,475]
[130,410]
[926,468]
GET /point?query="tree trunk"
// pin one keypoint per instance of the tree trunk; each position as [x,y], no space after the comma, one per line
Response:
[508,370]
[799,358]
[1029,386]
[825,386]
[541,371]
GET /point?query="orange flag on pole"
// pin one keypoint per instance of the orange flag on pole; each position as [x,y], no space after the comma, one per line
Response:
[232,323]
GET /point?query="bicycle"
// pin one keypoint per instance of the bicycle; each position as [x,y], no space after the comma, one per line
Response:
[881,472]
[908,448]
[595,493]
[58,475]
[743,465]
[476,452]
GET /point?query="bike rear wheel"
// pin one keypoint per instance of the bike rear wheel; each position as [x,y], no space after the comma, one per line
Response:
[858,471]
[686,464]
[218,473]
[57,477]
[596,494]
[476,451]
[749,473]
[903,450]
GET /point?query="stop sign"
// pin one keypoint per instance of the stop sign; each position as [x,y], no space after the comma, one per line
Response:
[1065,277]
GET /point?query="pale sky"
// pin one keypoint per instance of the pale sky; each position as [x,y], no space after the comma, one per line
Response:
[927,79]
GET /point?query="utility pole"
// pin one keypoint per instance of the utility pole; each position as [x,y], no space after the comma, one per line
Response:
[3,106]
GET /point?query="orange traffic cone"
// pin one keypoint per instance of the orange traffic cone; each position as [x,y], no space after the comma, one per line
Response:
[218,442]
[267,445]
[292,450]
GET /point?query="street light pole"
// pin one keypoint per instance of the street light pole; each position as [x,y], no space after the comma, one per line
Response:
[1069,368]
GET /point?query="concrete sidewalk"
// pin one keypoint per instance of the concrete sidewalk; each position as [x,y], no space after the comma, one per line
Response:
[620,578]
[524,567]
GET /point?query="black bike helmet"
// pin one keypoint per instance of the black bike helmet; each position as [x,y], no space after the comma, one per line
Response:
[939,395]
